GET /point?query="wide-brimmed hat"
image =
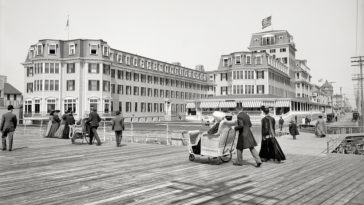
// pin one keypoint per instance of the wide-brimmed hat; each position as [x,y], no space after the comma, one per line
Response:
[218,115]
[10,107]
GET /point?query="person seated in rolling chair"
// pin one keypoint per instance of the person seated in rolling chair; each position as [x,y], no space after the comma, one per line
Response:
[219,118]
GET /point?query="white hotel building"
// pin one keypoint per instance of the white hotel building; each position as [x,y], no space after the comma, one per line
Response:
[84,73]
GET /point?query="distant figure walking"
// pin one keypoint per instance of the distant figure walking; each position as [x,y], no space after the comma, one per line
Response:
[293,129]
[320,129]
[118,127]
[54,125]
[270,148]
[281,122]
[94,120]
[8,126]
[245,139]
[70,120]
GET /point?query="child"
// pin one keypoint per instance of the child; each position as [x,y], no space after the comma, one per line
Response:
[293,129]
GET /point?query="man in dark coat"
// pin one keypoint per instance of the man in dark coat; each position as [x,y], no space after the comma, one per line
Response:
[281,122]
[293,129]
[8,126]
[118,127]
[245,139]
[94,120]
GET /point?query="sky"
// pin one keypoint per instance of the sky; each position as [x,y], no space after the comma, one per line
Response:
[191,32]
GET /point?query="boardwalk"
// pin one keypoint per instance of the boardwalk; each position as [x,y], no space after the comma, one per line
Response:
[51,171]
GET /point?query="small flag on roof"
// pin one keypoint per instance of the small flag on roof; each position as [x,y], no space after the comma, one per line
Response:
[267,22]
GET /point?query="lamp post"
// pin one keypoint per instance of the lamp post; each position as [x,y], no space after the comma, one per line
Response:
[358,61]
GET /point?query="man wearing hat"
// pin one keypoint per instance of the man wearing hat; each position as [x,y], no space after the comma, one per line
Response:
[8,126]
[94,120]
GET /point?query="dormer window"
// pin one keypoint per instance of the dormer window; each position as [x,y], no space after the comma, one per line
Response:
[106,51]
[39,49]
[248,60]
[93,49]
[72,49]
[237,59]
[226,62]
[149,65]
[142,63]
[52,49]
[135,61]
[31,53]
[127,60]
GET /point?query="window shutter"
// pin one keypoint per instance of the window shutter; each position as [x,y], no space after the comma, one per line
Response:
[89,85]
[98,85]
[98,68]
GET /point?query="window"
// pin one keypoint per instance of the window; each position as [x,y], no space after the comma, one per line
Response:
[136,77]
[70,104]
[225,62]
[127,60]
[136,90]
[258,60]
[93,104]
[260,74]
[260,89]
[51,105]
[28,106]
[105,51]
[161,93]
[56,68]
[93,49]
[128,90]
[72,49]
[135,61]
[93,85]
[143,91]
[156,80]
[70,85]
[248,60]
[161,107]
[128,107]
[282,50]
[237,59]
[39,50]
[56,85]
[8,96]
[120,74]
[143,78]
[120,58]
[46,68]
[51,85]
[106,86]
[70,68]
[149,65]
[298,76]
[113,73]
[149,107]
[120,107]
[106,69]
[298,85]
[150,92]
[52,49]
[15,94]
[36,106]
[119,89]
[127,75]
[284,60]
[155,107]
[93,68]
[272,50]
[106,106]
[155,92]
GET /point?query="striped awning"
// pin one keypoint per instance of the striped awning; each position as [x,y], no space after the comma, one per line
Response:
[251,103]
[268,103]
[229,104]
[190,105]
[282,103]
[209,105]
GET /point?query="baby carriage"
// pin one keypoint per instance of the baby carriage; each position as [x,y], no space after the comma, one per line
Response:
[220,145]
[80,130]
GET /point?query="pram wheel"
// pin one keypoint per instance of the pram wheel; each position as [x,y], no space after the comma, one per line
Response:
[226,158]
[191,157]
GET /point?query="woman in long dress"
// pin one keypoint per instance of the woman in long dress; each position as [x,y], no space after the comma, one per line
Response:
[270,148]
[55,123]
[320,129]
[59,133]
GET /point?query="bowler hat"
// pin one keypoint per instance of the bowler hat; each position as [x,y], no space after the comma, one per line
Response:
[10,107]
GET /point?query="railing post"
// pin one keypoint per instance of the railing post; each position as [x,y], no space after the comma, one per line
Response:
[104,132]
[328,145]
[41,124]
[167,134]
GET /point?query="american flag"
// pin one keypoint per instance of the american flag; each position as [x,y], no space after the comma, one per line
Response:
[266,22]
[68,23]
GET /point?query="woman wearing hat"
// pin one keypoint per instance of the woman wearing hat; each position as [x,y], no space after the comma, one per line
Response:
[320,129]
[270,148]
[55,123]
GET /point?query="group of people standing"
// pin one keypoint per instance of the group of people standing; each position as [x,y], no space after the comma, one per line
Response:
[59,127]
[270,149]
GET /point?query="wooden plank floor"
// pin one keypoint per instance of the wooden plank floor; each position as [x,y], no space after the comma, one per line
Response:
[52,171]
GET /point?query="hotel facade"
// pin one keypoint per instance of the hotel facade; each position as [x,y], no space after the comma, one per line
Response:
[81,74]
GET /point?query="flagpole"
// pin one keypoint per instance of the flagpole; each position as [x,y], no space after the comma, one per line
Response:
[68,27]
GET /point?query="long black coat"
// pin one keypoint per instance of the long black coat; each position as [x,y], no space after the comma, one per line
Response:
[266,125]
[94,119]
[245,138]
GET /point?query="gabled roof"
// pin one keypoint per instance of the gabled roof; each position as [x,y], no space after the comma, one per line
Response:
[9,89]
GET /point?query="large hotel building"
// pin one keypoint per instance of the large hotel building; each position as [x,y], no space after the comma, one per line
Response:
[83,73]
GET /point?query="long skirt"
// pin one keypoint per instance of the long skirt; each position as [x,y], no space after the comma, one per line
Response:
[48,128]
[59,132]
[66,132]
[270,149]
[53,130]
